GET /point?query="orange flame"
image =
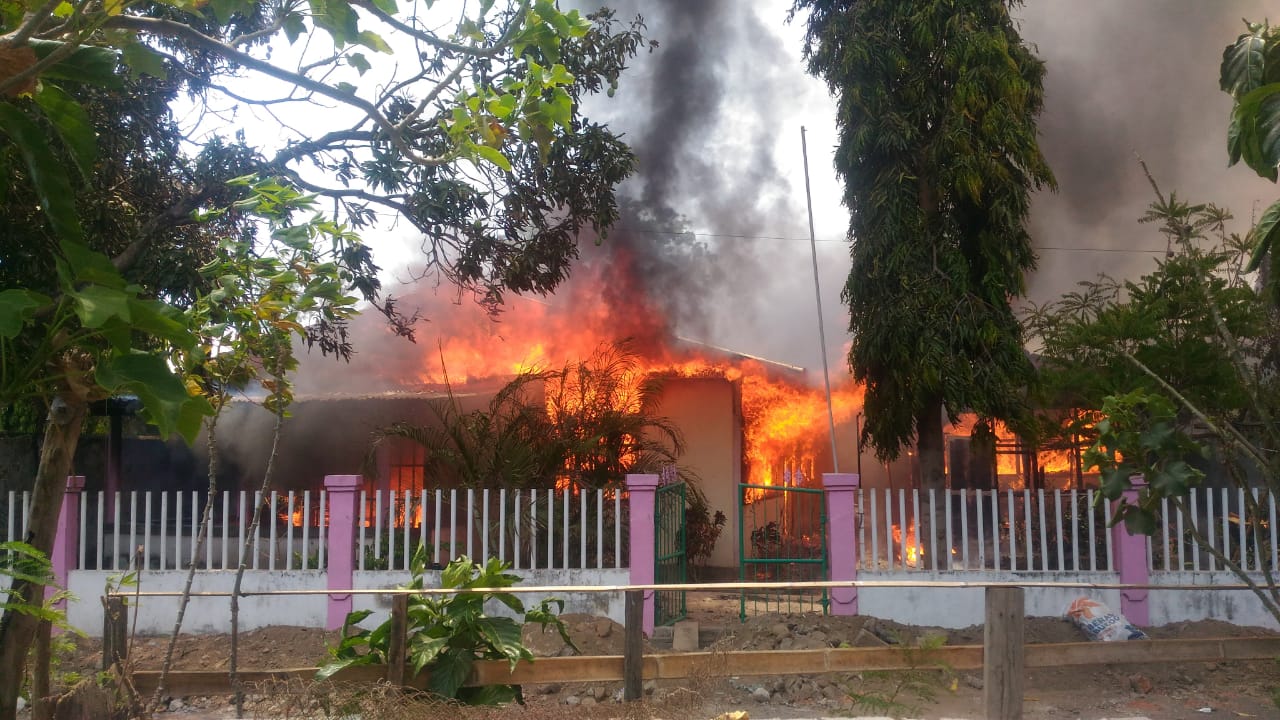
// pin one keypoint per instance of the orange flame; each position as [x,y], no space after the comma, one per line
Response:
[911,551]
[784,416]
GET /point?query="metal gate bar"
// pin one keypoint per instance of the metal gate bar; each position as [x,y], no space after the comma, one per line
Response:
[669,552]
[782,538]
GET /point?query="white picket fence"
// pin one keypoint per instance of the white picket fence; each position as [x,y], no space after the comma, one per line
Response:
[550,529]
[1057,531]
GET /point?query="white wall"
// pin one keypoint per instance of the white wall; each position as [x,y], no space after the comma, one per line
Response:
[156,615]
[963,607]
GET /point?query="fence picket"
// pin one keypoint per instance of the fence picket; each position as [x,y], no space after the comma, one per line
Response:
[995,528]
[26,513]
[84,518]
[617,529]
[1013,532]
[502,524]
[933,528]
[423,498]
[950,544]
[306,530]
[1057,526]
[322,532]
[1106,515]
[453,524]
[1211,524]
[564,520]
[1271,509]
[1243,516]
[471,513]
[533,529]
[875,536]
[1226,527]
[600,529]
[146,537]
[1093,537]
[964,528]
[439,513]
[484,538]
[1164,530]
[1029,548]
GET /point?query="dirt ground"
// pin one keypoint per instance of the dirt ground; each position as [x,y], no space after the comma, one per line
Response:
[1173,691]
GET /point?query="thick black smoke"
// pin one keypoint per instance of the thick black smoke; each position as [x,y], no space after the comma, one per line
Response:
[700,112]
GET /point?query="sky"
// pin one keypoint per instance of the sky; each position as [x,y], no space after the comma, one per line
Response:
[715,116]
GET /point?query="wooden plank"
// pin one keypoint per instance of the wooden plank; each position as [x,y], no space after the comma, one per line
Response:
[743,663]
[1002,672]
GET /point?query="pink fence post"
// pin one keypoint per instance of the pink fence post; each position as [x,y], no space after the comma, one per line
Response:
[1131,561]
[841,491]
[65,542]
[341,544]
[642,489]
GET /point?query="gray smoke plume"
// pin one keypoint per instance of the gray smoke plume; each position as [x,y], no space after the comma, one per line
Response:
[1129,79]
[705,113]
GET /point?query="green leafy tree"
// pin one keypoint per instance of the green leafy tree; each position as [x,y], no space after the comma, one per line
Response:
[1250,73]
[1172,368]
[937,106]
[480,145]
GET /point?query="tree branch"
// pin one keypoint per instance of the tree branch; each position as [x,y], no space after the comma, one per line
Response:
[29,25]
[171,29]
[508,33]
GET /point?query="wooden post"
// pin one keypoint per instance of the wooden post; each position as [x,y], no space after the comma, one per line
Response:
[1002,654]
[115,637]
[633,647]
[398,639]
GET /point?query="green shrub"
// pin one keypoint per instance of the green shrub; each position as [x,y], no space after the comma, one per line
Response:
[446,634]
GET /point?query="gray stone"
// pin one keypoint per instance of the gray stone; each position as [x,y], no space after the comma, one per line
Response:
[973,681]
[600,692]
[684,637]
[550,688]
[780,630]
[588,701]
[573,700]
[760,695]
[650,686]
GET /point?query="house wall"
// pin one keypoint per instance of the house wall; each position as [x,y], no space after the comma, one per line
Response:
[706,410]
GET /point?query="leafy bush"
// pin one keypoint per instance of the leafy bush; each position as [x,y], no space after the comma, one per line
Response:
[701,533]
[446,634]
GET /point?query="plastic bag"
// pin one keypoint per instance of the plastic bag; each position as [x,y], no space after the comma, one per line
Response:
[1099,623]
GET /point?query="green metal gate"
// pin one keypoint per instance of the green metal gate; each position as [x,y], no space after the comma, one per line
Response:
[669,552]
[782,538]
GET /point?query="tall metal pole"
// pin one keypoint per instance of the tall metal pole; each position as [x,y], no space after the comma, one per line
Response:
[822,335]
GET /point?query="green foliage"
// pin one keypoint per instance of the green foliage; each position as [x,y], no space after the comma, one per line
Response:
[1250,73]
[937,102]
[1139,436]
[905,690]
[1168,319]
[446,634]
[99,336]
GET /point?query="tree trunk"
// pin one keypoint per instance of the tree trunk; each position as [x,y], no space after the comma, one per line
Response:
[931,451]
[18,631]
